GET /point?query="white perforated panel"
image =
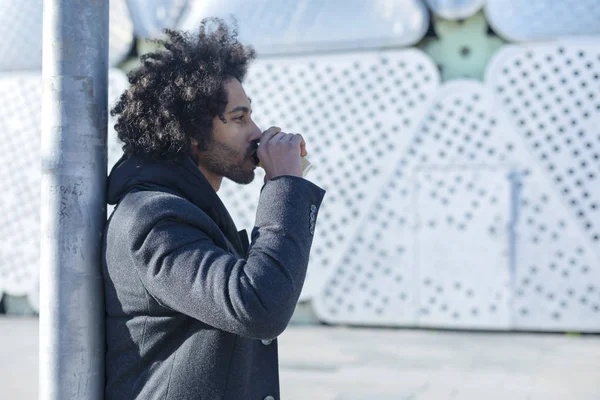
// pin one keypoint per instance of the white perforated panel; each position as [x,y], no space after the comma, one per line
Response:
[551,93]
[465,127]
[277,27]
[557,270]
[150,17]
[20,174]
[21,33]
[455,9]
[20,122]
[520,20]
[356,113]
[463,246]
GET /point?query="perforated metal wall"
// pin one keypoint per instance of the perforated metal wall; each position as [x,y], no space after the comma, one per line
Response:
[520,20]
[356,112]
[20,173]
[20,119]
[21,33]
[463,245]
[551,92]
[463,279]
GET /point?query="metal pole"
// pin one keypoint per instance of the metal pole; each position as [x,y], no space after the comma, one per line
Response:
[74,125]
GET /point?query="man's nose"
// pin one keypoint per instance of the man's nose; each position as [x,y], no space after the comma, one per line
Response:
[256,133]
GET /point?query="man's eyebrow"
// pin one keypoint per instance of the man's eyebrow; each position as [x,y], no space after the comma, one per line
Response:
[239,108]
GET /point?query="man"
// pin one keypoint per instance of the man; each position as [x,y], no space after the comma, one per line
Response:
[193,309]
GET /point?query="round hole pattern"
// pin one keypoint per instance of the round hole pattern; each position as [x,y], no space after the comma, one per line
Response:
[464,129]
[356,113]
[462,221]
[457,131]
[20,176]
[551,94]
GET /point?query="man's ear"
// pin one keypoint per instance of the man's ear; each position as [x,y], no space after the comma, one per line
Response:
[194,142]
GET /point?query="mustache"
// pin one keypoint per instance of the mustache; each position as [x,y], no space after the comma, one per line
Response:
[253,147]
[253,152]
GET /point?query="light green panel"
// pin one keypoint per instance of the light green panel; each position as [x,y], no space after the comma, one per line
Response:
[462,48]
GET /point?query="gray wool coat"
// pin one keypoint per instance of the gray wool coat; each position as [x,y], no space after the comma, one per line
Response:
[192,309]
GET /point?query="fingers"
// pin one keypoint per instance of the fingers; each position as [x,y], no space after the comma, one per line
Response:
[273,129]
[269,134]
[299,140]
[282,137]
[275,135]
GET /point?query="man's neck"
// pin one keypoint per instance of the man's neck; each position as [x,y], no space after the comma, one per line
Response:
[214,180]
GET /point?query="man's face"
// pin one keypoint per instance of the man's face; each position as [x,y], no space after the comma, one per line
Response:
[229,153]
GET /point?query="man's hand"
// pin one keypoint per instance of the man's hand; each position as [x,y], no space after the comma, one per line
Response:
[279,153]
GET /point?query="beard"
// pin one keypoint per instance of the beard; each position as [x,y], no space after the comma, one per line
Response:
[223,160]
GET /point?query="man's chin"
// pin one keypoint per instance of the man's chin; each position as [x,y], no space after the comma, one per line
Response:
[242,179]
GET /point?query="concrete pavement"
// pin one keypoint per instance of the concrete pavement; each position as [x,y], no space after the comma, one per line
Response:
[329,363]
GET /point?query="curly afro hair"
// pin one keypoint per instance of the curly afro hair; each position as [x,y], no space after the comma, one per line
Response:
[177,92]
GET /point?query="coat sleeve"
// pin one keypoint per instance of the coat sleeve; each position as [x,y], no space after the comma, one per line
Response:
[183,269]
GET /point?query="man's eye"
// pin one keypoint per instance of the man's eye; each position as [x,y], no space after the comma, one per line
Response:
[240,118]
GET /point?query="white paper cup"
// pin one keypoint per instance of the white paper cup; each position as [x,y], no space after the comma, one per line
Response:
[306,166]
